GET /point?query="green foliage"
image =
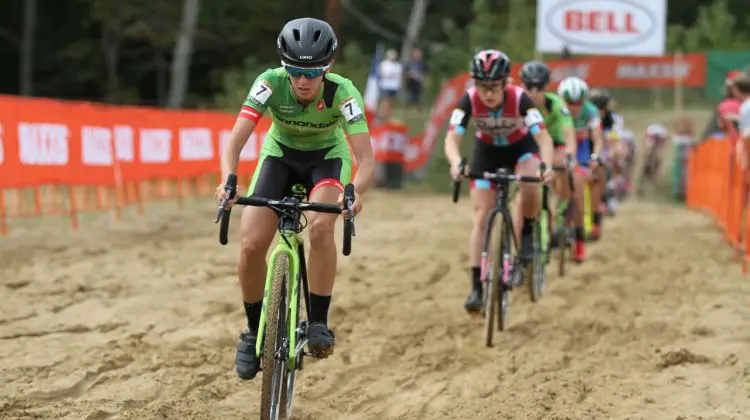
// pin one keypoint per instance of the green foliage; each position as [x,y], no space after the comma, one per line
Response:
[716,28]
[73,38]
[236,83]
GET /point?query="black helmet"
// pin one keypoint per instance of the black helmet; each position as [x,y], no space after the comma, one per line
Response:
[489,65]
[600,97]
[535,73]
[306,42]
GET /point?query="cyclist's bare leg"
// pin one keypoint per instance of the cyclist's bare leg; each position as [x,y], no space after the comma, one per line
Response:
[321,269]
[597,191]
[531,200]
[561,185]
[580,178]
[258,227]
[483,198]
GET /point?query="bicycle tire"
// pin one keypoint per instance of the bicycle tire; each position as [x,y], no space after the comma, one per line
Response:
[493,284]
[536,274]
[274,371]
[503,296]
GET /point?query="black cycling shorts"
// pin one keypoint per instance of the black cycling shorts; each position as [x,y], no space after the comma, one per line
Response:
[275,175]
[489,158]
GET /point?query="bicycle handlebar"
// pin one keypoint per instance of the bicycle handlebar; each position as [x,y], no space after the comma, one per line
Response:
[286,204]
[500,175]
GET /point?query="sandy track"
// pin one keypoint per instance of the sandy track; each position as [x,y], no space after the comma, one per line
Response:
[139,320]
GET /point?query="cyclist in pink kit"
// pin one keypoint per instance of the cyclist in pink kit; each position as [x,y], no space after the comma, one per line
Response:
[510,134]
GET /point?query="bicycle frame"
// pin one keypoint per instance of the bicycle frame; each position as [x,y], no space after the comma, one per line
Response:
[501,206]
[291,244]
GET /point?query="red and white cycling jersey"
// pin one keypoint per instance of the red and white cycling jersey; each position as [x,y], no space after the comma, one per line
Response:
[510,123]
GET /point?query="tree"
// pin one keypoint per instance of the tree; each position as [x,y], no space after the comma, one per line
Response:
[182,54]
[27,47]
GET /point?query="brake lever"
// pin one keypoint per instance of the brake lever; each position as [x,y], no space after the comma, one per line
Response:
[231,189]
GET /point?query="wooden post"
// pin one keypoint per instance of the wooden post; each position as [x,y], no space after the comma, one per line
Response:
[678,111]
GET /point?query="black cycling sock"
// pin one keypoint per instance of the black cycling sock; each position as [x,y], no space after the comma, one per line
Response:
[528,226]
[476,278]
[252,311]
[319,308]
[580,233]
[597,218]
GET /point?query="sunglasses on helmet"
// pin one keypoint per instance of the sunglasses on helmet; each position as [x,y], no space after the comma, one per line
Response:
[308,72]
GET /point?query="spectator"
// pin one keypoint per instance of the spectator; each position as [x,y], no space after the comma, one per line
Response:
[728,109]
[390,76]
[741,86]
[713,128]
[416,71]
[565,54]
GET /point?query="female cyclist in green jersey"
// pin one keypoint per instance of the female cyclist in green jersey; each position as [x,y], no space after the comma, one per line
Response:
[535,76]
[310,109]
[588,133]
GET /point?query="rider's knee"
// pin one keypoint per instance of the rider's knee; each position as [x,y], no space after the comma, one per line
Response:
[320,229]
[253,245]
[481,212]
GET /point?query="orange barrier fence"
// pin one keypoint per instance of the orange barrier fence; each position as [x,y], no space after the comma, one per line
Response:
[65,158]
[718,185]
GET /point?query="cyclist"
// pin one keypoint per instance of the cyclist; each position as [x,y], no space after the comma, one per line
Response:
[629,150]
[656,138]
[309,107]
[612,153]
[511,135]
[588,133]
[535,76]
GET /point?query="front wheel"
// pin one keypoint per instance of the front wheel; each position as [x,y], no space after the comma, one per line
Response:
[274,393]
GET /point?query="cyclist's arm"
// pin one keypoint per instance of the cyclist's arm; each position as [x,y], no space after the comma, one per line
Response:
[533,119]
[595,126]
[457,127]
[252,111]
[568,129]
[355,125]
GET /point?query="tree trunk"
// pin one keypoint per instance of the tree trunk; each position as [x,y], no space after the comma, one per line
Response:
[111,46]
[333,17]
[416,19]
[27,48]
[182,54]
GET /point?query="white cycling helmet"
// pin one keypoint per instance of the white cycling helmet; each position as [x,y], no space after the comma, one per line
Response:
[657,130]
[573,90]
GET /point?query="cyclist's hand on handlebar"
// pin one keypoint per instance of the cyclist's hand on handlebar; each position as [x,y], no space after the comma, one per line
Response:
[456,169]
[548,175]
[221,193]
[356,206]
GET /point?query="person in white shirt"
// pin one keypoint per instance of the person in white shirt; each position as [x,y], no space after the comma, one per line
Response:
[390,75]
[741,86]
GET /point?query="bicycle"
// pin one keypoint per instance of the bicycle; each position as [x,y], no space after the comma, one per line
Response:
[564,221]
[281,332]
[505,273]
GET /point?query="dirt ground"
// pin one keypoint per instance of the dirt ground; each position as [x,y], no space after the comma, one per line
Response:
[139,320]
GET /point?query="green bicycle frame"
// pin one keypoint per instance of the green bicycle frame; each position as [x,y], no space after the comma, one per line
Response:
[289,243]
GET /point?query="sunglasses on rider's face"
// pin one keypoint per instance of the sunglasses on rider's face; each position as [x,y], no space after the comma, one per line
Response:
[535,86]
[308,72]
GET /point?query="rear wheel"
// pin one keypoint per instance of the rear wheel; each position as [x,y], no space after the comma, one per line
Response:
[536,282]
[274,361]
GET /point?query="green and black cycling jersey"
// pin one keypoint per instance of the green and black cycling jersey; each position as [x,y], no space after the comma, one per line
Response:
[306,143]
[556,117]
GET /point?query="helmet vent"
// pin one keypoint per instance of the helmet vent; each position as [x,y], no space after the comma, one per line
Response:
[316,35]
[297,36]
